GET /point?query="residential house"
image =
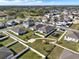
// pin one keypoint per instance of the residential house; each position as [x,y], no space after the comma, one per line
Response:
[18,31]
[5,53]
[37,27]
[43,28]
[72,36]
[29,23]
[3,15]
[2,25]
[46,29]
[11,23]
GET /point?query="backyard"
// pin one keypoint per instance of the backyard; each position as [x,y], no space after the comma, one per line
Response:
[29,55]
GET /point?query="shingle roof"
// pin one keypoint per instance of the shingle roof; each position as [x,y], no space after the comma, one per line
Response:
[68,55]
[39,26]
[18,30]
[4,52]
[72,34]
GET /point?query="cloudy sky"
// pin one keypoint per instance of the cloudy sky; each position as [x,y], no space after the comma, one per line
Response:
[39,2]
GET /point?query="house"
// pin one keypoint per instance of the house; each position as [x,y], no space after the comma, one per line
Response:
[18,31]
[29,23]
[37,27]
[11,23]
[18,21]
[3,15]
[46,29]
[5,53]
[68,55]
[2,25]
[72,36]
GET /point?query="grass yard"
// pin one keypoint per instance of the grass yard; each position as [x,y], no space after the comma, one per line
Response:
[3,34]
[24,36]
[6,41]
[30,55]
[40,33]
[3,20]
[43,48]
[17,47]
[56,52]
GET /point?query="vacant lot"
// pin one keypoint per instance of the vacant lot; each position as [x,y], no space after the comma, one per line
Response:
[43,48]
[6,41]
[16,48]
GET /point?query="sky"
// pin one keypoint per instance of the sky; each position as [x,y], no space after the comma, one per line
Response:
[39,2]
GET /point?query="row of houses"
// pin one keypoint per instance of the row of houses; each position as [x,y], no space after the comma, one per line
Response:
[10,23]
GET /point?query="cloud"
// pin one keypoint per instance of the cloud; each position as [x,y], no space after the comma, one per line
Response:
[39,2]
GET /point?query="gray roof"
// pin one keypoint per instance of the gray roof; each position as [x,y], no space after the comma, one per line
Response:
[5,52]
[39,26]
[49,28]
[72,34]
[68,55]
[18,30]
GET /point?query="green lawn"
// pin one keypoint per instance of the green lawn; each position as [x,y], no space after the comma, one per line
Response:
[40,33]
[26,36]
[3,34]
[56,52]
[30,55]
[17,47]
[3,20]
[43,48]
[6,41]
